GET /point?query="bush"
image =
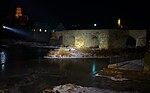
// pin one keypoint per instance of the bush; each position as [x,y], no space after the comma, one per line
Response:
[64,52]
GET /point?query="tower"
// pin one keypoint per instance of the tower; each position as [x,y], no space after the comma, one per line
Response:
[18,12]
[20,19]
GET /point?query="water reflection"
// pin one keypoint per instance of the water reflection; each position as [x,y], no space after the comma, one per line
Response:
[93,69]
[3,60]
[30,60]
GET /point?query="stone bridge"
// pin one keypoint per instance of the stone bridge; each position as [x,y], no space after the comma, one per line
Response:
[99,38]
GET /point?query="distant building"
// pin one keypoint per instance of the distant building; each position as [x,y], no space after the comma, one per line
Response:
[17,21]
[20,19]
[18,12]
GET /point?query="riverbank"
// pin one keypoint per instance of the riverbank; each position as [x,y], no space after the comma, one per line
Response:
[72,88]
[128,70]
[65,52]
[25,74]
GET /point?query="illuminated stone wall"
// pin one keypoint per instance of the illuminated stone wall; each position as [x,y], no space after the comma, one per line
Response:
[68,40]
[139,35]
[100,38]
[84,38]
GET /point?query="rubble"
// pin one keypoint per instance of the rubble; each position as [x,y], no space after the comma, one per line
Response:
[132,70]
[72,88]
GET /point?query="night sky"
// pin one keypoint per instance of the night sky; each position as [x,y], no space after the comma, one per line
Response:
[134,13]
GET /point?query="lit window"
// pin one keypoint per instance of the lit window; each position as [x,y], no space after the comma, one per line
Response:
[40,30]
[45,30]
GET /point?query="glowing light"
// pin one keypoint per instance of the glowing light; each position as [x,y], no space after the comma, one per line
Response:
[18,12]
[93,69]
[45,30]
[3,59]
[3,66]
[53,30]
[79,42]
[95,24]
[18,31]
[119,22]
[40,30]
[4,27]
[34,30]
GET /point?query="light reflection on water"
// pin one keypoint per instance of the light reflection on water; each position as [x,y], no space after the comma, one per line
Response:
[3,60]
[26,61]
[79,67]
[93,69]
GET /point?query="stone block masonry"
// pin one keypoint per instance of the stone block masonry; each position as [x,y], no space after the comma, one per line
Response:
[99,38]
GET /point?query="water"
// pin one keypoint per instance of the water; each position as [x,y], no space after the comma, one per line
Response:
[20,61]
[26,69]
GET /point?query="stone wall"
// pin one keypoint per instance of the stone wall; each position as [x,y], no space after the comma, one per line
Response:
[139,35]
[100,38]
[117,38]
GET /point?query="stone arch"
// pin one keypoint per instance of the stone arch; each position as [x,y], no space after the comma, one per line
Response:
[54,37]
[95,41]
[131,42]
[60,40]
[141,42]
[60,37]
[69,40]
[54,40]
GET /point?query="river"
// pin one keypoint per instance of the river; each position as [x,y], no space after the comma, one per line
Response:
[20,61]
[24,69]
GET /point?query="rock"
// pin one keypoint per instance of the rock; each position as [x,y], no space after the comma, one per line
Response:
[147,63]
[48,91]
[3,90]
[66,87]
[112,66]
[14,89]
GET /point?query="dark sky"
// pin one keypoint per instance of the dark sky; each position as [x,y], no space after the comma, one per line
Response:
[104,12]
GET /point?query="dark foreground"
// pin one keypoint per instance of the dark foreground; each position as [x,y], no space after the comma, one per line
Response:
[26,71]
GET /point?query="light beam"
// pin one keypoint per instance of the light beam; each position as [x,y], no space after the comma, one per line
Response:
[18,31]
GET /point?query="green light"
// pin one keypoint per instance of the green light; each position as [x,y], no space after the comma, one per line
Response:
[93,69]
